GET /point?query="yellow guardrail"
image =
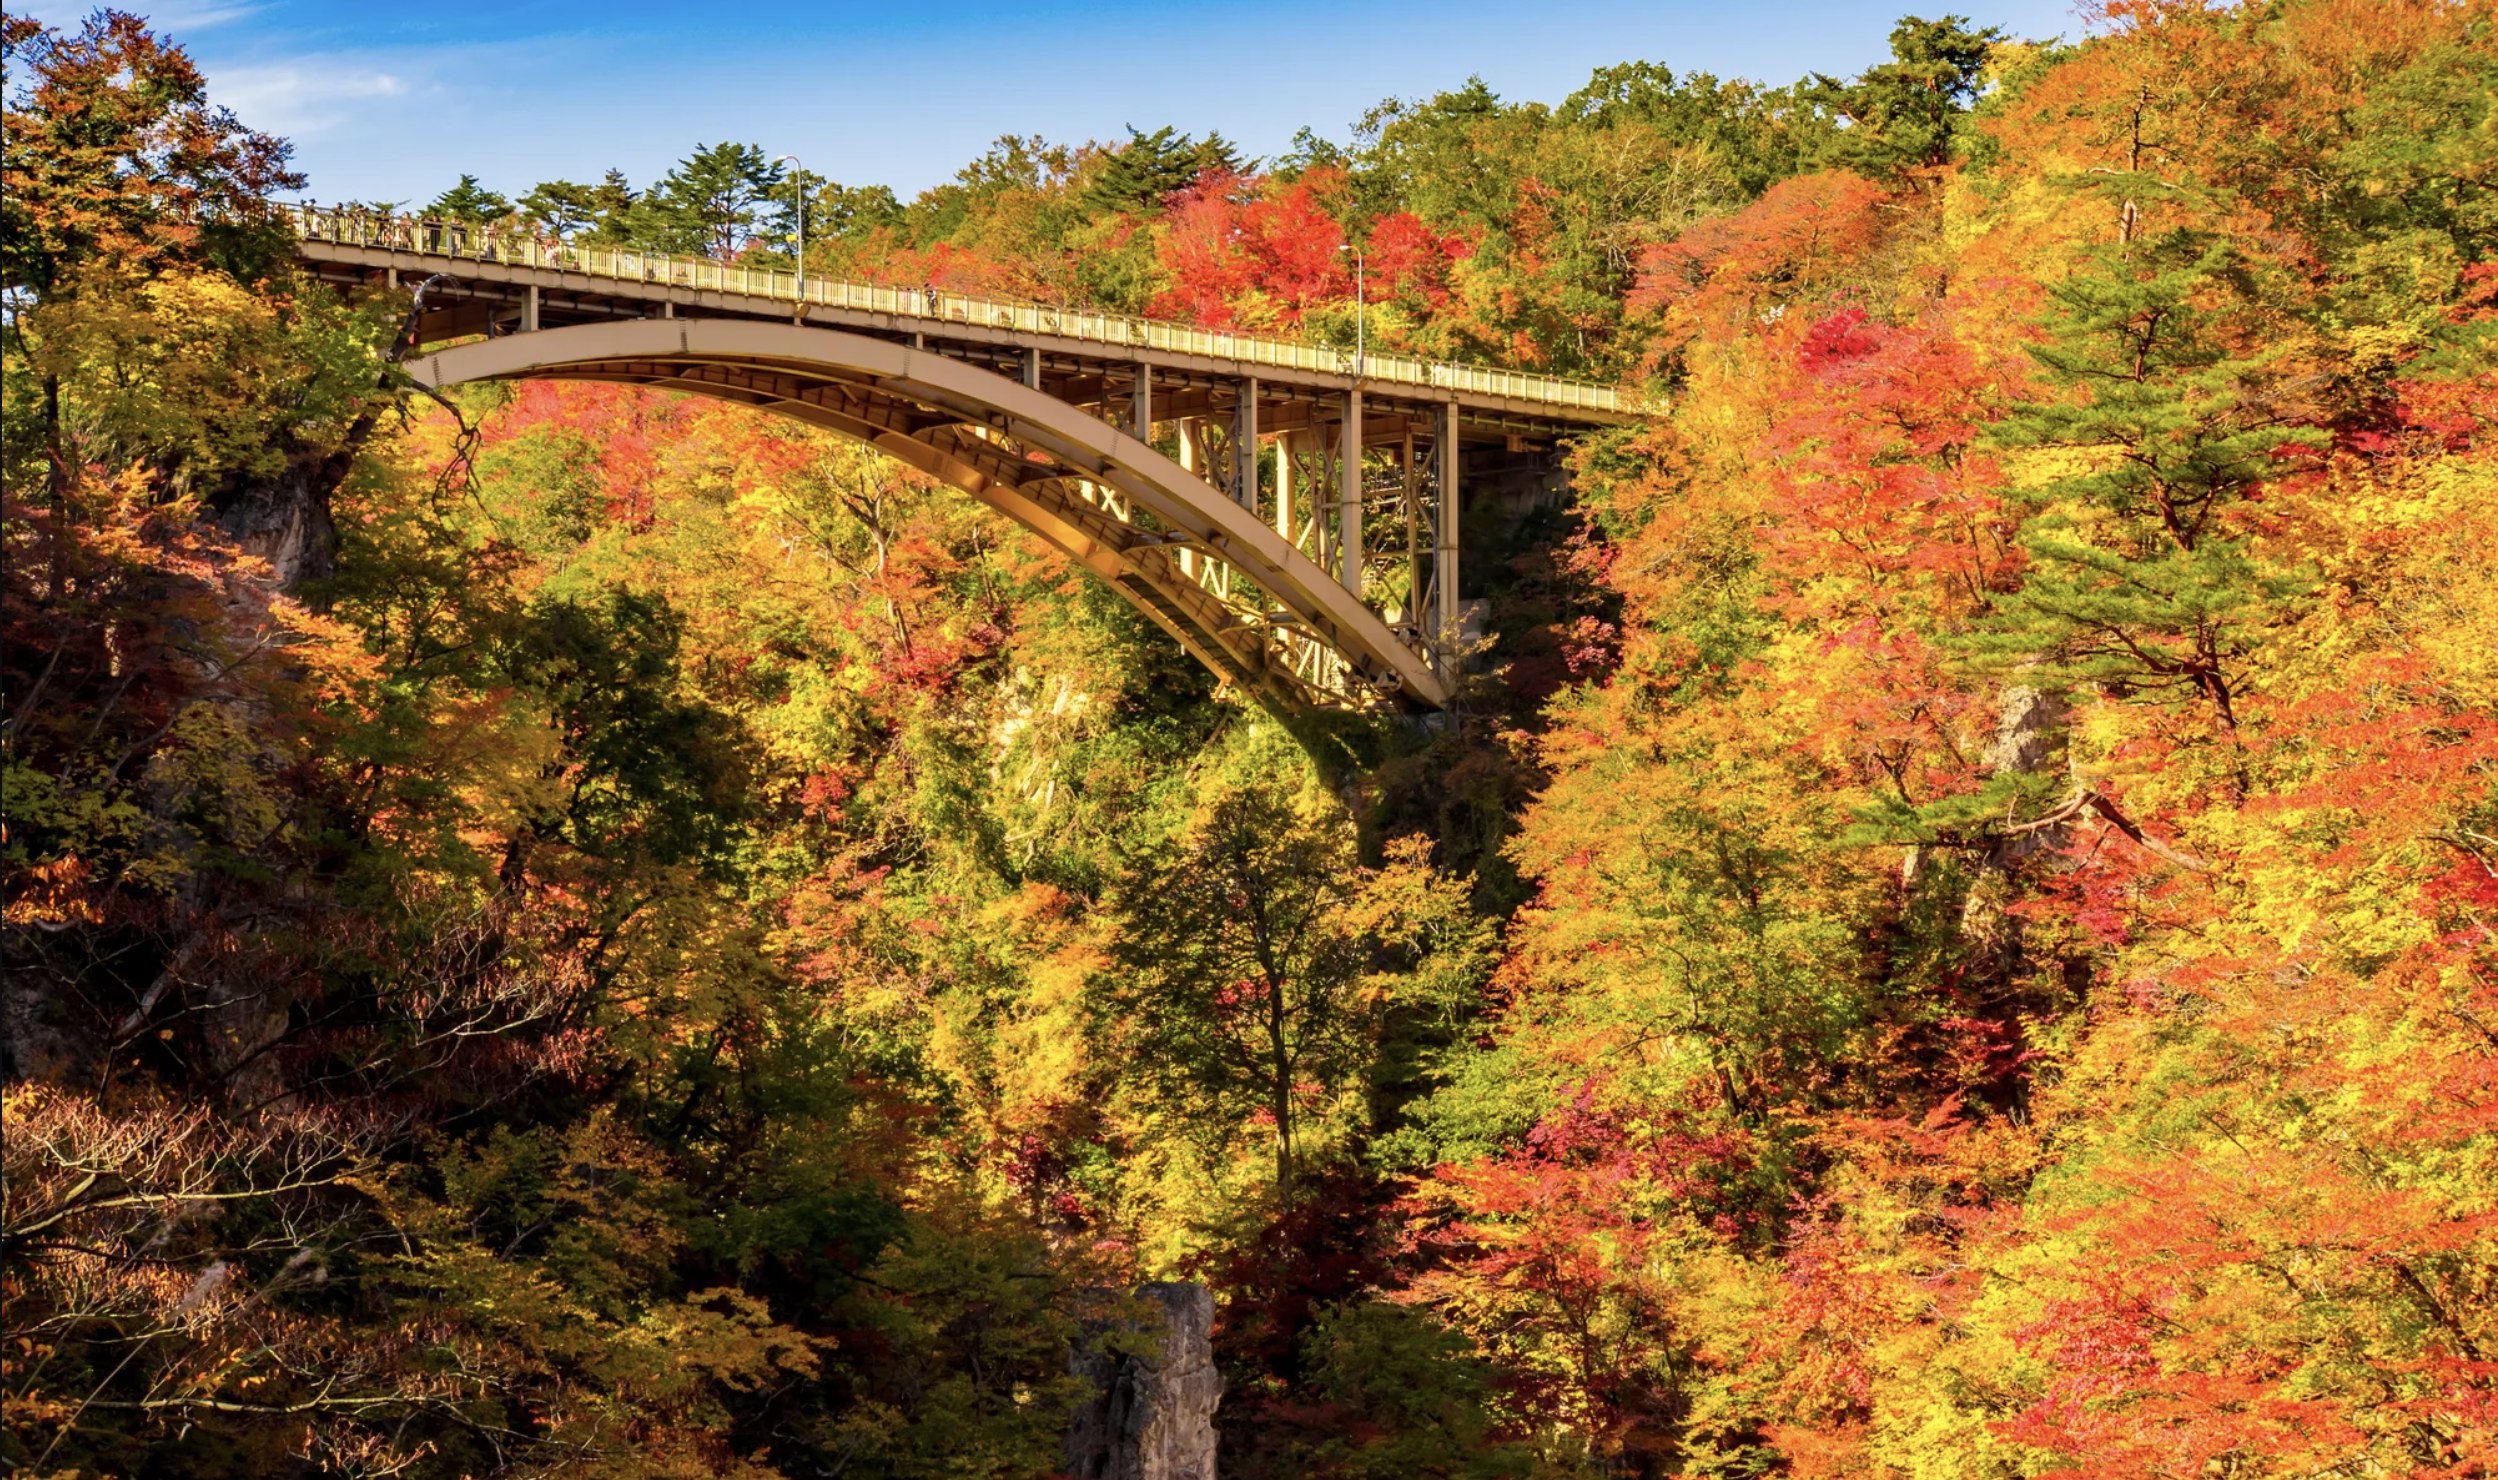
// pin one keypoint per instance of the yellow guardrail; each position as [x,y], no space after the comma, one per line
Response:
[362,228]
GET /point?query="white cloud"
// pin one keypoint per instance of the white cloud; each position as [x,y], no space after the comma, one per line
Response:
[174,19]
[304,96]
[178,20]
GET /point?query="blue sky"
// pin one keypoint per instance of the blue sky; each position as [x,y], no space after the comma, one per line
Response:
[392,102]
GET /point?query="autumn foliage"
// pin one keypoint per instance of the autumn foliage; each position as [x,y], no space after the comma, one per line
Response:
[1955,933]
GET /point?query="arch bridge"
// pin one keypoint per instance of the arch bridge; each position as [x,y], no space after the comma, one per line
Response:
[1299,536]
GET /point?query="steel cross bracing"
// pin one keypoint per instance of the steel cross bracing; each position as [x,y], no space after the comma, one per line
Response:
[1310,578]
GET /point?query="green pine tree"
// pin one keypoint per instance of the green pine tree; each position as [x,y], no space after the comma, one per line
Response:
[566,208]
[1906,113]
[712,203]
[623,215]
[2140,579]
[468,201]
[1150,168]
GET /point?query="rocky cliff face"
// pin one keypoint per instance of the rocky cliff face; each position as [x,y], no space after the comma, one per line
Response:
[1153,1414]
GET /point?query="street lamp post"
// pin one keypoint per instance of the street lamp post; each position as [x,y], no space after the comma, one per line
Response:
[802,231]
[1361,315]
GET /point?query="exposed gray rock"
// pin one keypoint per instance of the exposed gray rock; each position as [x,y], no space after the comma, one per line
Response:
[1153,1416]
[285,518]
[2030,734]
[2028,729]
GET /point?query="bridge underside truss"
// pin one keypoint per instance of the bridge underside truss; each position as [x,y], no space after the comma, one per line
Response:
[1239,547]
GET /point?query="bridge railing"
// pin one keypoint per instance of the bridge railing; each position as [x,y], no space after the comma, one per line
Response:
[364,228]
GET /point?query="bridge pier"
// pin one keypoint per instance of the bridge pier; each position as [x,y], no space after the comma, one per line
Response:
[1410,499]
[1245,446]
[1283,486]
[1444,553]
[1349,495]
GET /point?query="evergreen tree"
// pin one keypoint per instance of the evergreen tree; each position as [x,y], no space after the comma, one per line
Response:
[1309,152]
[2139,578]
[1150,168]
[624,216]
[468,201]
[564,208]
[1905,114]
[710,203]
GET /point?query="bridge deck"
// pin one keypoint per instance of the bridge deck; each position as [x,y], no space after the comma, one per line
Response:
[510,283]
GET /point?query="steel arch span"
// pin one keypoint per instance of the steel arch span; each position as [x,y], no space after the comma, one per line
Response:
[1275,622]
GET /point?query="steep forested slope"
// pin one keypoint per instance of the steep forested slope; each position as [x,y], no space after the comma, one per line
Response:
[571,931]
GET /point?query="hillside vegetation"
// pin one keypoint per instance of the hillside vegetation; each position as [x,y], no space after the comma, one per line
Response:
[568,931]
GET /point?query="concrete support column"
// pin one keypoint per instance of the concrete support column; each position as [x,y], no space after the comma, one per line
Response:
[1188,464]
[1032,369]
[1444,543]
[529,312]
[1283,486]
[1411,497]
[1245,447]
[1349,496]
[1141,405]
